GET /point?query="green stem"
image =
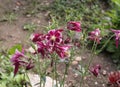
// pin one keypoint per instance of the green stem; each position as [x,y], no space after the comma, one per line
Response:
[63,81]
[55,69]
[91,58]
[81,81]
[56,72]
[28,78]
[92,55]
[44,84]
[104,44]
[93,46]
[39,73]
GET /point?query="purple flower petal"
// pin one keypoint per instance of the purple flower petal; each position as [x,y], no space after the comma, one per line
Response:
[95,35]
[16,68]
[95,70]
[117,36]
[74,26]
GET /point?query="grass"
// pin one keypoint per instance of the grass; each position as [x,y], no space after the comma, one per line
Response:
[10,16]
[89,12]
[30,27]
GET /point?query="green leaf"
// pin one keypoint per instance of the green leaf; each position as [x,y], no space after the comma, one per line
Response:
[117,2]
[77,72]
[111,47]
[30,27]
[12,50]
[3,85]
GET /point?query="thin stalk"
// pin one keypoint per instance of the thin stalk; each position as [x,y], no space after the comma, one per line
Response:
[39,73]
[81,81]
[24,79]
[84,38]
[104,44]
[93,46]
[55,68]
[44,84]
[63,81]
[94,49]
[28,78]
[66,69]
[92,55]
[40,82]
[91,58]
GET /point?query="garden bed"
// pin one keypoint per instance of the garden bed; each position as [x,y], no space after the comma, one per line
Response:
[18,22]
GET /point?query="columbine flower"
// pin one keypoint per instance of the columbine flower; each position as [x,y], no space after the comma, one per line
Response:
[117,34]
[114,78]
[95,70]
[41,48]
[77,43]
[95,35]
[63,51]
[54,37]
[18,59]
[74,26]
[29,65]
[37,37]
[67,40]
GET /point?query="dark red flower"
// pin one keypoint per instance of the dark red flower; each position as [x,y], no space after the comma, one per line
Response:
[63,51]
[19,59]
[16,60]
[117,34]
[74,26]
[77,43]
[95,70]
[95,35]
[67,40]
[29,65]
[114,78]
[54,37]
[37,37]
[41,48]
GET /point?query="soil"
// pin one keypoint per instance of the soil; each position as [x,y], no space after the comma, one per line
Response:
[12,33]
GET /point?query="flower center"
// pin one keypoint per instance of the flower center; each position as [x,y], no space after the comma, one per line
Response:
[67,53]
[53,38]
[96,34]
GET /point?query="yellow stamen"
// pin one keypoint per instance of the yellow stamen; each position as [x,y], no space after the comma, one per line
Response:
[67,53]
[53,38]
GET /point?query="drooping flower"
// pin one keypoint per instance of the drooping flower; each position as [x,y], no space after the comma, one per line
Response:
[67,40]
[117,34]
[54,37]
[37,37]
[63,51]
[114,78]
[41,48]
[29,65]
[95,70]
[16,60]
[77,43]
[74,26]
[19,59]
[95,35]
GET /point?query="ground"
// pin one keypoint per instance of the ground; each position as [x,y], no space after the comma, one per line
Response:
[12,32]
